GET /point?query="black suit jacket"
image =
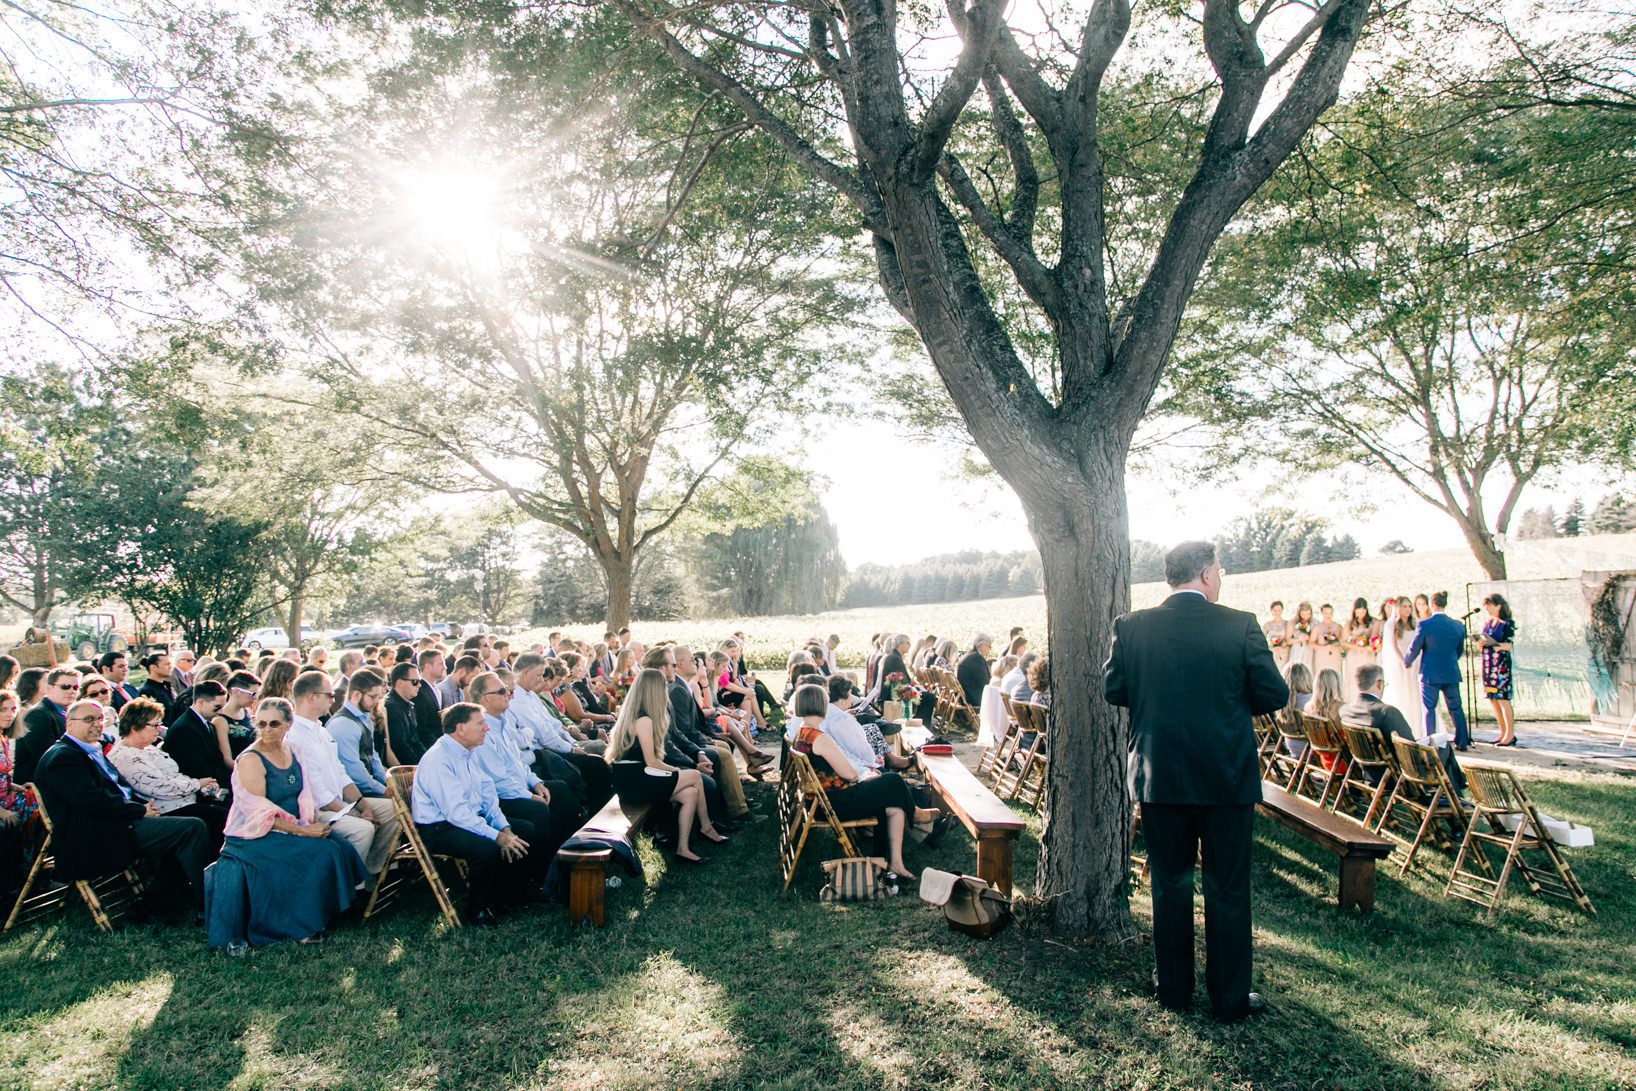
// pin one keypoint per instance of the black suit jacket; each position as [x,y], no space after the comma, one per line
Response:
[428,716]
[1193,674]
[892,663]
[123,692]
[403,730]
[43,726]
[160,692]
[92,823]
[972,674]
[1367,710]
[588,700]
[191,744]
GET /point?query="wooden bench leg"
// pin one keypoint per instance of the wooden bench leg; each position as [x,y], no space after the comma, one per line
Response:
[994,860]
[1358,883]
[587,880]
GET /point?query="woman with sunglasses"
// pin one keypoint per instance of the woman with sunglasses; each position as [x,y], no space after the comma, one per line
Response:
[96,688]
[234,729]
[281,875]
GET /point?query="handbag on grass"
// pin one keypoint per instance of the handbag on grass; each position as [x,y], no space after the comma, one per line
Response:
[970,905]
[855,879]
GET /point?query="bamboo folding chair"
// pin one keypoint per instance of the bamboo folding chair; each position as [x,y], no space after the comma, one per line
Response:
[1037,764]
[1499,795]
[988,760]
[959,709]
[1266,741]
[409,854]
[1283,767]
[108,898]
[1424,790]
[1326,757]
[802,804]
[1013,771]
[1371,773]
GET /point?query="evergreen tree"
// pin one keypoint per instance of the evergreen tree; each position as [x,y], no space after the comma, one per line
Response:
[1573,520]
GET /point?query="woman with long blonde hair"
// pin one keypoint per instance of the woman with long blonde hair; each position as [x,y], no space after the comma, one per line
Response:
[636,762]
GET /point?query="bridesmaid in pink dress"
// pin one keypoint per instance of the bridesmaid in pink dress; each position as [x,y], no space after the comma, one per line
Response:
[1277,633]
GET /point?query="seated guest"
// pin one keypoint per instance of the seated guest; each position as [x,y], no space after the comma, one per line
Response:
[550,806]
[942,657]
[856,793]
[16,803]
[641,770]
[1368,709]
[450,691]
[155,775]
[1298,677]
[433,669]
[559,755]
[973,673]
[718,722]
[1039,682]
[277,678]
[798,662]
[283,873]
[114,667]
[99,826]
[684,744]
[406,739]
[192,741]
[586,704]
[43,724]
[686,718]
[458,813]
[157,686]
[96,688]
[1015,681]
[353,729]
[208,671]
[370,825]
[235,729]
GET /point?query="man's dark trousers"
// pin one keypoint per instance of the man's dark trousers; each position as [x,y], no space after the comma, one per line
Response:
[1174,833]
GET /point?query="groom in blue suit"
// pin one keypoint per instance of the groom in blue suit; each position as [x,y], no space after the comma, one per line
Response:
[1442,640]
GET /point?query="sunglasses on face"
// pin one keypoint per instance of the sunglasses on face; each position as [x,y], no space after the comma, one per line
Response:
[68,687]
[498,693]
[271,723]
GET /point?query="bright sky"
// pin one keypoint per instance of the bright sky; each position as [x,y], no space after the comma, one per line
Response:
[867,460]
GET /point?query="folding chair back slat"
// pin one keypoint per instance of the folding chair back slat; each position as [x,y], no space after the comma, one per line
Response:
[1326,756]
[1423,788]
[1371,773]
[1284,768]
[409,856]
[1031,777]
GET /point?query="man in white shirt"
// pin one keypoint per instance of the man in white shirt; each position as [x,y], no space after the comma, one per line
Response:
[371,827]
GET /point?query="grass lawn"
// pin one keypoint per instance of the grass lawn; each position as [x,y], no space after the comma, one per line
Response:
[713,979]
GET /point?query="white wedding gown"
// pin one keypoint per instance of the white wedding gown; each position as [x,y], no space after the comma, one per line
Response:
[1402,683]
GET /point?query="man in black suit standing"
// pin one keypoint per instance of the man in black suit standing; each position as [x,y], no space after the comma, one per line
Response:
[43,725]
[1193,674]
[972,672]
[99,825]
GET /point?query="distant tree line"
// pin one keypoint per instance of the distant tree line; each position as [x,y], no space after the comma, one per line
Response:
[1280,538]
[1613,514]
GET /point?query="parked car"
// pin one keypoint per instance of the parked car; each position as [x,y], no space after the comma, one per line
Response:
[359,635]
[275,637]
[415,631]
[447,629]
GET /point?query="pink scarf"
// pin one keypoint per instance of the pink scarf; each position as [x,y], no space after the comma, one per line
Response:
[252,816]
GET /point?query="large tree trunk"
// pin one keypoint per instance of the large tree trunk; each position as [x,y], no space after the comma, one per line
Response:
[292,627]
[1482,546]
[1084,542]
[621,576]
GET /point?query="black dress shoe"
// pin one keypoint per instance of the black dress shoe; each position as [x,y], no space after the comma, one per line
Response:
[485,918]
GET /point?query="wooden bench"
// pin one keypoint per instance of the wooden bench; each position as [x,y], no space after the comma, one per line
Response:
[1357,848]
[588,869]
[992,824]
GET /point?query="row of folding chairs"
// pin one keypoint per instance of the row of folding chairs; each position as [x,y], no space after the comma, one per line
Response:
[804,806]
[1401,790]
[1018,763]
[951,699]
[111,897]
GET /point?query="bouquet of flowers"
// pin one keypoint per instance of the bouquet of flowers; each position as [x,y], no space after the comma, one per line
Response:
[901,689]
[1374,642]
[1278,641]
[1362,640]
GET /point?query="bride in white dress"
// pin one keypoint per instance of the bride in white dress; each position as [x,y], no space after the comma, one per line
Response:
[1402,683]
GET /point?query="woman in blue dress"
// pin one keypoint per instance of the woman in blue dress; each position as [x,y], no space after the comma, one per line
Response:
[281,875]
[1498,633]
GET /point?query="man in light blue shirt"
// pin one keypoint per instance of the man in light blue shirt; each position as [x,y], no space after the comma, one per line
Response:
[551,806]
[458,813]
[353,729]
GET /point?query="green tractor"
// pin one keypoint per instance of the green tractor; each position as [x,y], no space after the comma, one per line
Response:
[89,635]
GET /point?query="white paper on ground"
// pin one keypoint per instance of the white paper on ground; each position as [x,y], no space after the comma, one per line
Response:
[1563,833]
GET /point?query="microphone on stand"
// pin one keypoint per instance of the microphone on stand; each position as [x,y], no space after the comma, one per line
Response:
[1469,613]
